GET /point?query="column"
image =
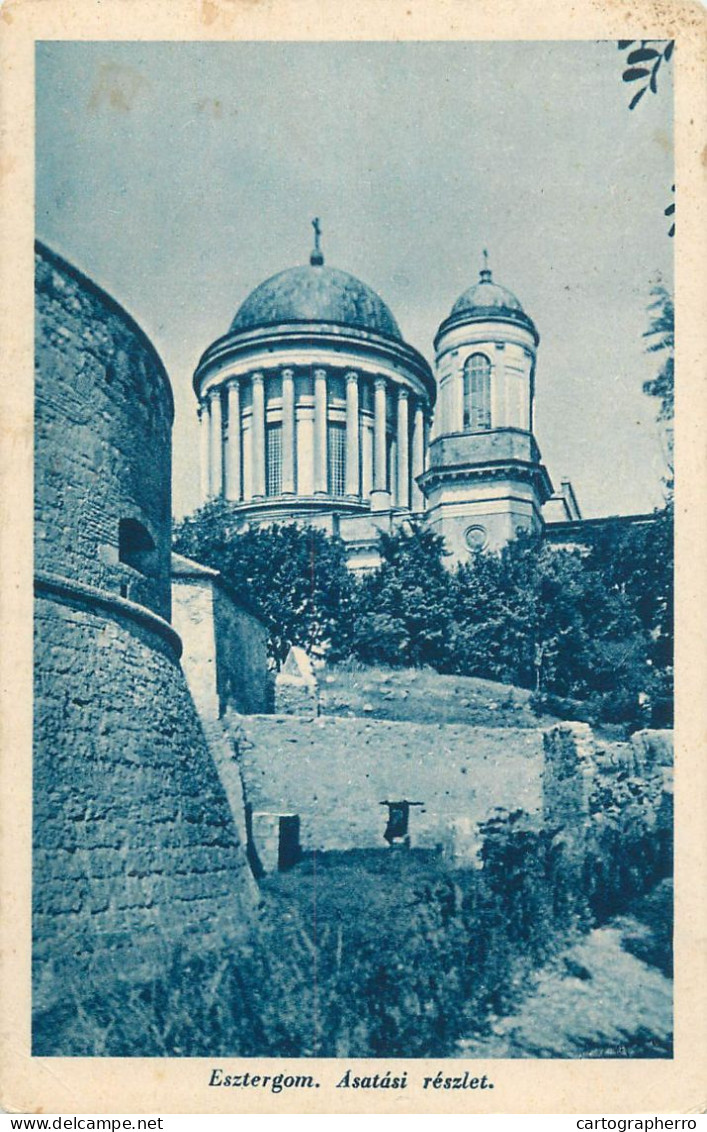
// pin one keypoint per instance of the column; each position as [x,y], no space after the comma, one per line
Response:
[352,438]
[258,436]
[366,455]
[499,408]
[379,447]
[526,393]
[288,431]
[456,413]
[215,444]
[403,483]
[320,432]
[204,427]
[234,485]
[418,455]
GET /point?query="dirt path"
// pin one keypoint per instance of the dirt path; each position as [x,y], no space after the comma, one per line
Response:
[595,1000]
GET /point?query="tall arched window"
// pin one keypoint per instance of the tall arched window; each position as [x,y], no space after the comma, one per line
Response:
[477,393]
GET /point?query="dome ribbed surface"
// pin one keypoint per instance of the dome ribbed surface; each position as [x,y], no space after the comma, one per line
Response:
[487,295]
[316,294]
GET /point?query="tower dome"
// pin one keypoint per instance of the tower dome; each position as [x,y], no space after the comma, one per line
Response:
[484,478]
[486,295]
[487,300]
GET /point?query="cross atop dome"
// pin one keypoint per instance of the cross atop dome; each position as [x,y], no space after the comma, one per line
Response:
[316,259]
[486,270]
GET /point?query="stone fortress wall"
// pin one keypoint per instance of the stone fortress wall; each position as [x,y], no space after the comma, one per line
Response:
[133,840]
[103,426]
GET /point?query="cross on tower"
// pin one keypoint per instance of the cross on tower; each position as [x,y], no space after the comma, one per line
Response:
[316,258]
[486,270]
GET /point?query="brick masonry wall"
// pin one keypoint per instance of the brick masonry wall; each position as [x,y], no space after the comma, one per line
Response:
[334,772]
[103,420]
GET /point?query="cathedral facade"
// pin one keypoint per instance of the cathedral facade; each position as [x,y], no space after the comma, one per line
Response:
[313,408]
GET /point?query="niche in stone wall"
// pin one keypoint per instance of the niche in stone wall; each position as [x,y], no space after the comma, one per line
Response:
[136,547]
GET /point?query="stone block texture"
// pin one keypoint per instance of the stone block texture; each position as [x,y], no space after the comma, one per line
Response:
[653,750]
[134,846]
[568,773]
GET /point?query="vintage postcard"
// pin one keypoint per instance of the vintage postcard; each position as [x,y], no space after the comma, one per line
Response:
[353,453]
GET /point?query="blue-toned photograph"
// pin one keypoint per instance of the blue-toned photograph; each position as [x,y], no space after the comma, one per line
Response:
[353,663]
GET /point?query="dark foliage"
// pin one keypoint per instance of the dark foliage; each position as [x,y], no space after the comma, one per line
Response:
[295,577]
[403,611]
[661,336]
[591,632]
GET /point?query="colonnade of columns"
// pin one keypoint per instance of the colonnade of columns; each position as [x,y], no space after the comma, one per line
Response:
[224,455]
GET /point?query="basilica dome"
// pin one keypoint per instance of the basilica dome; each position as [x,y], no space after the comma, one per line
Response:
[315,293]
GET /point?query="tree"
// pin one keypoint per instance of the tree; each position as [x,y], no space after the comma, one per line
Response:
[294,576]
[548,619]
[661,335]
[403,614]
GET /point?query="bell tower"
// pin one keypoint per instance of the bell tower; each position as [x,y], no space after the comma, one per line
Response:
[484,479]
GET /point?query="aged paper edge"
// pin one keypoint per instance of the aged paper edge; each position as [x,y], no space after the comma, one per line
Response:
[79,1085]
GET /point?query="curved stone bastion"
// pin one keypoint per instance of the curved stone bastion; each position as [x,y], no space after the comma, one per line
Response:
[134,847]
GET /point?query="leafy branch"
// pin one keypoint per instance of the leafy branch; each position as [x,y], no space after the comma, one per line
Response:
[643,63]
[670,211]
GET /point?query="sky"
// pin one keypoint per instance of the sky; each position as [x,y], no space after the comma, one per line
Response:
[181,175]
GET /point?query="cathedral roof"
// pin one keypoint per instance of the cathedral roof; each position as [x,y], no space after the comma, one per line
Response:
[315,293]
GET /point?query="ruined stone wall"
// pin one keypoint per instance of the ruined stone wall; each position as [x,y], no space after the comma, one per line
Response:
[225,649]
[244,681]
[576,764]
[334,772]
[134,846]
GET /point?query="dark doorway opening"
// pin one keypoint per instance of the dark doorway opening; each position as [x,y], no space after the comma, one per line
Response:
[288,853]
